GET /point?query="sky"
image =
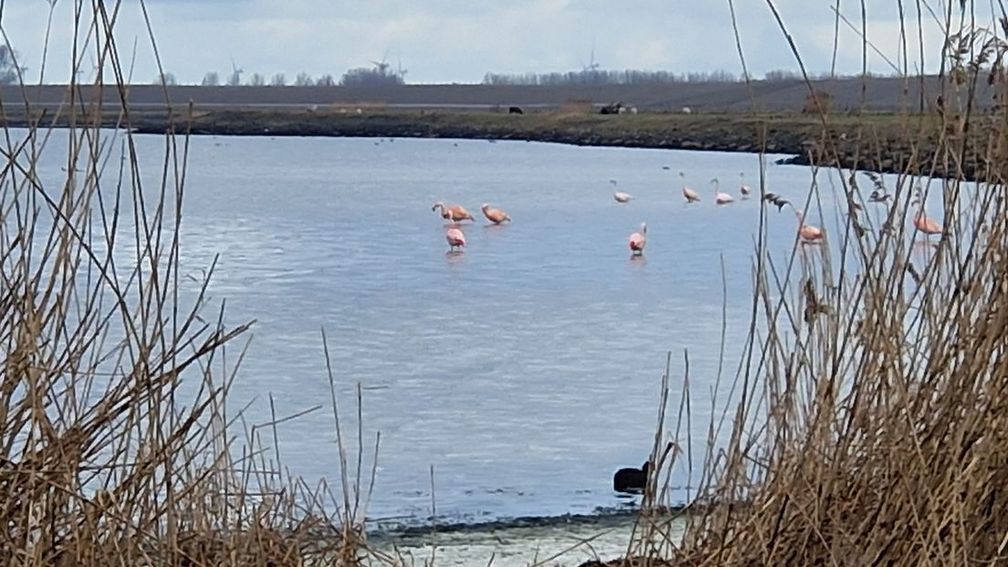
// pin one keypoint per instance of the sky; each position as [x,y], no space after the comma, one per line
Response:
[457,41]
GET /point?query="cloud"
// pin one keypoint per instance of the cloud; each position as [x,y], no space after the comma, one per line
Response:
[453,40]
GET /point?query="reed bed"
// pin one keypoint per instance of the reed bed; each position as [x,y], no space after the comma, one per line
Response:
[117,443]
[869,417]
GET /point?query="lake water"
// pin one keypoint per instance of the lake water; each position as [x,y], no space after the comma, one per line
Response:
[525,370]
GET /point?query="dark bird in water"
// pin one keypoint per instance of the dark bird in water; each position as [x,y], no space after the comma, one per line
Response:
[630,481]
[775,199]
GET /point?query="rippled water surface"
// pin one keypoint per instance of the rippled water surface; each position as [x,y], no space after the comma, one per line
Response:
[525,370]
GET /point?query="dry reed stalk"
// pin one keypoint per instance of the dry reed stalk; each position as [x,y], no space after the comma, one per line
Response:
[871,425]
[117,445]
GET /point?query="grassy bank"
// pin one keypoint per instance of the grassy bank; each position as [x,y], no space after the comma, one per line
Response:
[894,143]
[882,142]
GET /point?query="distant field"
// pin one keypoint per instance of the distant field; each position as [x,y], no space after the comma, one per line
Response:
[878,94]
[724,117]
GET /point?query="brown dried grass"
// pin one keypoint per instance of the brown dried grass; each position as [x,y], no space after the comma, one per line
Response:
[870,421]
[117,445]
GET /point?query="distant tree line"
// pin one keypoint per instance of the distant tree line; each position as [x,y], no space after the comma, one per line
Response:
[638,77]
[606,77]
[380,75]
[383,75]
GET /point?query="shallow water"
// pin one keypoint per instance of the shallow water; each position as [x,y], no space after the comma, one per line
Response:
[525,370]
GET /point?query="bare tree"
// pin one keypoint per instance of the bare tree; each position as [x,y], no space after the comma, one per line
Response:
[378,76]
[165,78]
[257,80]
[775,75]
[326,80]
[303,80]
[9,70]
[278,80]
[211,79]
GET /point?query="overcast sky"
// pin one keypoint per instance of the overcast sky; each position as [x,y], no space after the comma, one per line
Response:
[440,41]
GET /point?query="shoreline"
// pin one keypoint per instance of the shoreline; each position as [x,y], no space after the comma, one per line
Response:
[576,540]
[873,142]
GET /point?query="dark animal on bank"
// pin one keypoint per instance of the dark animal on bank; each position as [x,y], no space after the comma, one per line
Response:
[515,110]
[614,108]
[630,481]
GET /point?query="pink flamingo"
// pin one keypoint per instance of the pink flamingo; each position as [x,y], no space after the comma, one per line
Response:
[495,216]
[922,223]
[456,239]
[744,189]
[638,240]
[807,233]
[620,196]
[690,195]
[719,197]
[454,213]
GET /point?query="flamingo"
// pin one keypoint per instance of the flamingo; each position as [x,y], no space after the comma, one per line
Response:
[922,222]
[638,240]
[719,197]
[495,216]
[620,196]
[744,189]
[807,233]
[455,238]
[690,195]
[454,213]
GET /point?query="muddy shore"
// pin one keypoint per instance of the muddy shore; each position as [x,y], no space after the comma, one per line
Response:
[888,143]
[587,541]
[883,142]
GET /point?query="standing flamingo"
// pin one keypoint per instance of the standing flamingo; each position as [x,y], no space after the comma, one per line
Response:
[638,240]
[744,189]
[620,196]
[495,216]
[719,197]
[456,239]
[454,213]
[807,233]
[690,195]
[922,222]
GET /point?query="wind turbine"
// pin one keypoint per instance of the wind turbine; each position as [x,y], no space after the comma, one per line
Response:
[383,65]
[236,72]
[399,70]
[592,65]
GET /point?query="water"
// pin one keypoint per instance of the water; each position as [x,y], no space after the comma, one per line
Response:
[526,370]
